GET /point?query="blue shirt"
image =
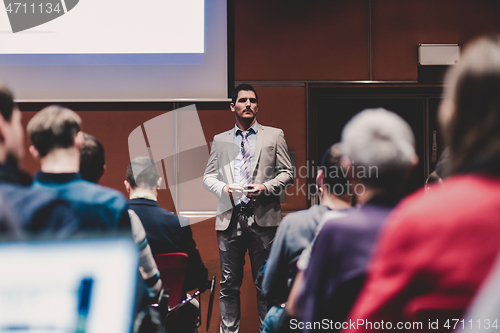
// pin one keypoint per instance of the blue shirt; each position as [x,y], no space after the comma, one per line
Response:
[97,207]
[252,141]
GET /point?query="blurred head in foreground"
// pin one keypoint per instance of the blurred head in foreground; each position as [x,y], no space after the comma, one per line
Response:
[379,146]
[470,111]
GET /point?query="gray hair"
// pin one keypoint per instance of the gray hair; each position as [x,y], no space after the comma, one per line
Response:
[380,140]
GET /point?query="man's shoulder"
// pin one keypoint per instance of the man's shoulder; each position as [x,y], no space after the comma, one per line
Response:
[99,194]
[338,213]
[467,198]
[224,135]
[141,204]
[304,219]
[301,215]
[293,219]
[96,188]
[144,202]
[14,192]
[27,201]
[272,129]
[164,215]
[367,219]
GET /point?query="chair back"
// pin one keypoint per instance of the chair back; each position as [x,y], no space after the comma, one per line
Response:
[172,267]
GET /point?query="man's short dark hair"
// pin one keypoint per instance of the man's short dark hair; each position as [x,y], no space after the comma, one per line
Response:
[6,102]
[53,127]
[242,87]
[91,159]
[142,172]
[336,181]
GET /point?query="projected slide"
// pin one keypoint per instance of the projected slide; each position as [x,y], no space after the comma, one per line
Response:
[102,27]
[114,50]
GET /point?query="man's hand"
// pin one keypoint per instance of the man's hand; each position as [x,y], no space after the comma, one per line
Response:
[233,188]
[234,191]
[254,190]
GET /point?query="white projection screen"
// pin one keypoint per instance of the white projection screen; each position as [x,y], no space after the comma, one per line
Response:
[114,50]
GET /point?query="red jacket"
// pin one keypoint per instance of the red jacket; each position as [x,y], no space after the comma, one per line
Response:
[431,258]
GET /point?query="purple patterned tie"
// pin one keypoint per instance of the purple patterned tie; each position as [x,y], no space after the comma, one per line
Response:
[245,166]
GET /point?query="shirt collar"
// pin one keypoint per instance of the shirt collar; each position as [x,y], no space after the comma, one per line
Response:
[143,195]
[255,127]
[44,177]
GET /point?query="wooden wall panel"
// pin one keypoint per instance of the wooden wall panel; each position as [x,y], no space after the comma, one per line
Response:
[283,107]
[400,26]
[112,129]
[301,40]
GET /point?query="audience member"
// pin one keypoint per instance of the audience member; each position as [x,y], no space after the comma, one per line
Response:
[378,150]
[92,159]
[147,265]
[166,232]
[437,248]
[297,231]
[92,168]
[37,212]
[9,226]
[56,141]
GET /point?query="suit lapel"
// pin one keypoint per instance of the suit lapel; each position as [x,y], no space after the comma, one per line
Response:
[258,148]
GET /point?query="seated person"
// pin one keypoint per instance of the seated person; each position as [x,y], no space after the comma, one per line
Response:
[147,265]
[92,166]
[9,226]
[37,212]
[297,231]
[378,150]
[92,159]
[437,248]
[166,232]
[56,141]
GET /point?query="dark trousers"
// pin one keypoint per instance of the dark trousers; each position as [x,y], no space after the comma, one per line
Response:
[242,234]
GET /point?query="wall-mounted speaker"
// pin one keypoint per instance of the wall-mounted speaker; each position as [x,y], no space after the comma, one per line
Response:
[438,54]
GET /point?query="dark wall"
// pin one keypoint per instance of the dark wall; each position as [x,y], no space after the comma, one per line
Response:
[281,47]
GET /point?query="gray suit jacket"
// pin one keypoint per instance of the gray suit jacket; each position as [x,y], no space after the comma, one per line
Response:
[272,167]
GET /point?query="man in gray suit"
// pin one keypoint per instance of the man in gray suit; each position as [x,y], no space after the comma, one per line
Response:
[249,166]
